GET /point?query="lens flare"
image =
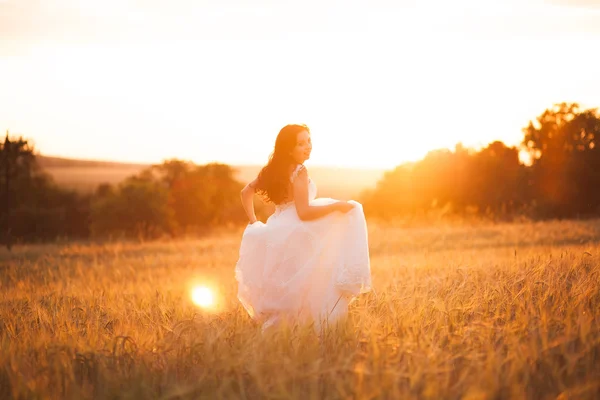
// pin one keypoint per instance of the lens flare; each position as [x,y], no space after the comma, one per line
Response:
[203,297]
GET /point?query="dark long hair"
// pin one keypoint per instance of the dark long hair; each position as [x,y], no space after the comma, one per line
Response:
[274,178]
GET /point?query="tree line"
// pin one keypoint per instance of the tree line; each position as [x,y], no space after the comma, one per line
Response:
[171,199]
[562,179]
[177,198]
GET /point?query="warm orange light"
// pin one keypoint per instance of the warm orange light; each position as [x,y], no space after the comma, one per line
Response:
[203,297]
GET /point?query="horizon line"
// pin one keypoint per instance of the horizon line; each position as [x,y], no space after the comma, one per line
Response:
[243,164]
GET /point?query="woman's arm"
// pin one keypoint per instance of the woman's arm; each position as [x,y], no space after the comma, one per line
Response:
[306,212]
[247,196]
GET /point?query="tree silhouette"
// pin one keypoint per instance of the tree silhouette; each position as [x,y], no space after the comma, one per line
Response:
[138,208]
[566,166]
[488,181]
[495,179]
[172,171]
[175,197]
[17,161]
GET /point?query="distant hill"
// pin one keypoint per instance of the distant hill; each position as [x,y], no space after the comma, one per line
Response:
[58,162]
[86,175]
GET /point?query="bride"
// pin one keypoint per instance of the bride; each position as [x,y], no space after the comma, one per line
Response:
[311,258]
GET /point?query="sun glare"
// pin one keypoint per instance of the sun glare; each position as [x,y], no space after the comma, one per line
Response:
[203,297]
[110,83]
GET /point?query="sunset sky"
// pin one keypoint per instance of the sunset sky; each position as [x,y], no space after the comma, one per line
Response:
[379,82]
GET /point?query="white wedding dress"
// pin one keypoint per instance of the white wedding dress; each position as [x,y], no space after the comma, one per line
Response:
[303,271]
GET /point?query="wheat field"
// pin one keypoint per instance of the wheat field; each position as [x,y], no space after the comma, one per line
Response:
[458,312]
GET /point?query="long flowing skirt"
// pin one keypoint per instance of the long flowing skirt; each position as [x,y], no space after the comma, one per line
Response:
[289,269]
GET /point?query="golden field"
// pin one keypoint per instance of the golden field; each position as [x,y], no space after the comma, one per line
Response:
[458,312]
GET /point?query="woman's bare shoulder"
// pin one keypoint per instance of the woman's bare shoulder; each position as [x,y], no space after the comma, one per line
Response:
[299,171]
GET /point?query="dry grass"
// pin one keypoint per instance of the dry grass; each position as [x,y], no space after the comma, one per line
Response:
[487,312]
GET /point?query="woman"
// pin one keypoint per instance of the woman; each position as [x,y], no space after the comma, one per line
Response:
[311,258]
